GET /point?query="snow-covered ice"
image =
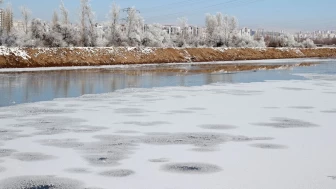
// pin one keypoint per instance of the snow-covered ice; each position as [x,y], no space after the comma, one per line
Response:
[268,135]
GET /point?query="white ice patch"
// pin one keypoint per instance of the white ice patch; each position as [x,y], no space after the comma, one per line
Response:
[318,76]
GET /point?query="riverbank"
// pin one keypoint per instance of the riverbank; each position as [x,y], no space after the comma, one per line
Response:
[63,57]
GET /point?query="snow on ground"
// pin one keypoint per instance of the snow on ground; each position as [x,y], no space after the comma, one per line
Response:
[19,52]
[270,135]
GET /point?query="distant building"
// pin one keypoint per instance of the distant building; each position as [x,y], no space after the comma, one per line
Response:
[191,30]
[196,31]
[245,32]
[172,29]
[6,19]
[2,17]
[319,34]
[18,25]
[202,32]
[100,30]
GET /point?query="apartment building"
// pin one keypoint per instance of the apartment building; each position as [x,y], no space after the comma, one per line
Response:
[191,30]
[245,32]
[2,16]
[6,19]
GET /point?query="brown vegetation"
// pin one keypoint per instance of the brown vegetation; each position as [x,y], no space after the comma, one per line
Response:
[55,57]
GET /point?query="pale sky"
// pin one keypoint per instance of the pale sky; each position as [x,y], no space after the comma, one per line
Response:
[288,15]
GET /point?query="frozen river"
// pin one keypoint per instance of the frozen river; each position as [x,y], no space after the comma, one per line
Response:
[139,129]
[24,87]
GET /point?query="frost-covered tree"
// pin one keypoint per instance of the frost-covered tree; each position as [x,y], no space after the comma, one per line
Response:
[211,29]
[25,12]
[92,29]
[53,39]
[55,19]
[221,29]
[69,34]
[308,43]
[155,36]
[183,23]
[115,34]
[211,25]
[183,36]
[65,14]
[103,33]
[87,25]
[44,35]
[134,27]
[288,40]
[232,29]
[247,41]
[83,22]
[38,29]
[68,31]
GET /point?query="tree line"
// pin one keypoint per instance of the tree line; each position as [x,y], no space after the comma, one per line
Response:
[220,31]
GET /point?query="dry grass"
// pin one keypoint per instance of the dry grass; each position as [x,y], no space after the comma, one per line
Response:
[56,57]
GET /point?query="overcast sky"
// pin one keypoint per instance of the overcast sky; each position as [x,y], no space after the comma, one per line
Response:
[288,15]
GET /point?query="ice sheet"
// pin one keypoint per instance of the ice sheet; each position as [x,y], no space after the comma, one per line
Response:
[269,135]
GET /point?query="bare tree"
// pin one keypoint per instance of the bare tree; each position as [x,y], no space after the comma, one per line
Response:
[25,16]
[65,14]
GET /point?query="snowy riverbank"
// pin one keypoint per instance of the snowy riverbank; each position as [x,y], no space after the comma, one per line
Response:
[60,57]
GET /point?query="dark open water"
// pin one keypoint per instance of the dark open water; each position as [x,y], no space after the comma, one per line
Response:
[25,87]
